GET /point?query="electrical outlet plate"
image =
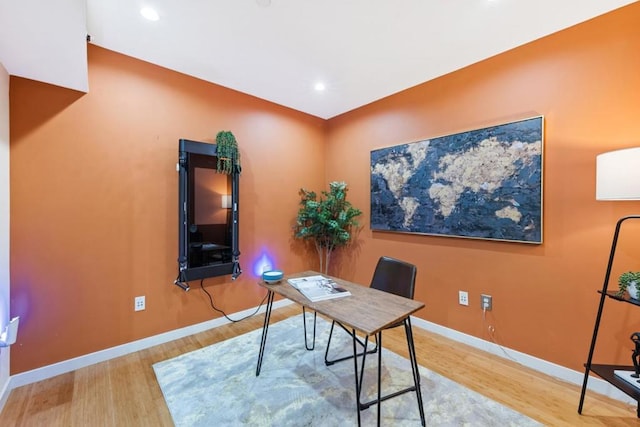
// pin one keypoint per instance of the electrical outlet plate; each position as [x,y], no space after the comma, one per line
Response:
[463,297]
[139,303]
[486,302]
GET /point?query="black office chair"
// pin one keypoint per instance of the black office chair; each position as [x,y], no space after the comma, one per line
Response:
[391,275]
[396,277]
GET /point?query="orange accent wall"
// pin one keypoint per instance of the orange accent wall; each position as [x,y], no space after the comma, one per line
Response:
[94,208]
[586,82]
[94,195]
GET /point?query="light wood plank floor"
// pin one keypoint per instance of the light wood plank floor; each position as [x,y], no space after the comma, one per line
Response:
[124,391]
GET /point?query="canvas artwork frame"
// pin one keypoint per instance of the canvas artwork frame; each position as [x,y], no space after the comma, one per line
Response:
[479,184]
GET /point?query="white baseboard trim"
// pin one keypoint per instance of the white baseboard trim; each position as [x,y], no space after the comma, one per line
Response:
[565,374]
[4,393]
[595,384]
[63,367]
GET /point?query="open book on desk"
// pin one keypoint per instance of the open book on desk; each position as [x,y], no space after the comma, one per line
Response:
[318,288]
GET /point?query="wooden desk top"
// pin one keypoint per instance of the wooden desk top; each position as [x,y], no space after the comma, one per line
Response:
[366,310]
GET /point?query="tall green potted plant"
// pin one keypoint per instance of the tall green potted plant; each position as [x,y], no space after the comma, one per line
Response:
[327,221]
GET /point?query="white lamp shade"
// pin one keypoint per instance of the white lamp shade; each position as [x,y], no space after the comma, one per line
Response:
[226,201]
[618,175]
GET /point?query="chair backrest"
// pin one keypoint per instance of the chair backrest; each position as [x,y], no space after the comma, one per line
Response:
[394,276]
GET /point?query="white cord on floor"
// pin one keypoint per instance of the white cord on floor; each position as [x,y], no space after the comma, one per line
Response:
[491,330]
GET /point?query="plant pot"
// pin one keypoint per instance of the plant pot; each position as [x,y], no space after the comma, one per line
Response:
[633,290]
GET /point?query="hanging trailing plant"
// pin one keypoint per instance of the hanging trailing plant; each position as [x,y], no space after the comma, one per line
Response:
[227,152]
[326,221]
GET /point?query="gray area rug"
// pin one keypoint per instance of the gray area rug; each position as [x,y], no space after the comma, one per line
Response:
[217,386]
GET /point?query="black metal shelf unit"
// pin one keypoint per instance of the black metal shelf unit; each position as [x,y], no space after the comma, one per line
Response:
[606,372]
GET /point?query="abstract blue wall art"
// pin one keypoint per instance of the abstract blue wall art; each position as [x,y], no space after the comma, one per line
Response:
[480,184]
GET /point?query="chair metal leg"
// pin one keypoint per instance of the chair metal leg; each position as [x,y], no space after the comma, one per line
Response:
[265,329]
[340,359]
[304,320]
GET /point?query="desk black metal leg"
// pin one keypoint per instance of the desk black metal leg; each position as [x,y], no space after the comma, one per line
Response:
[265,329]
[364,360]
[355,370]
[304,321]
[362,406]
[414,367]
[340,359]
[379,340]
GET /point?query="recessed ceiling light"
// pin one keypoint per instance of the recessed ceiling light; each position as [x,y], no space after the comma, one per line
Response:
[319,86]
[149,13]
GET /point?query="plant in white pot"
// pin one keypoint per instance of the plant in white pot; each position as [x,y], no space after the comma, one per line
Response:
[630,282]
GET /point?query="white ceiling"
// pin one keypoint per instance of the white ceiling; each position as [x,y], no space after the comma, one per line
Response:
[363,50]
[45,41]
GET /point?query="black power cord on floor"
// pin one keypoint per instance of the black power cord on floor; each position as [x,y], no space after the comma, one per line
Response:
[225,314]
